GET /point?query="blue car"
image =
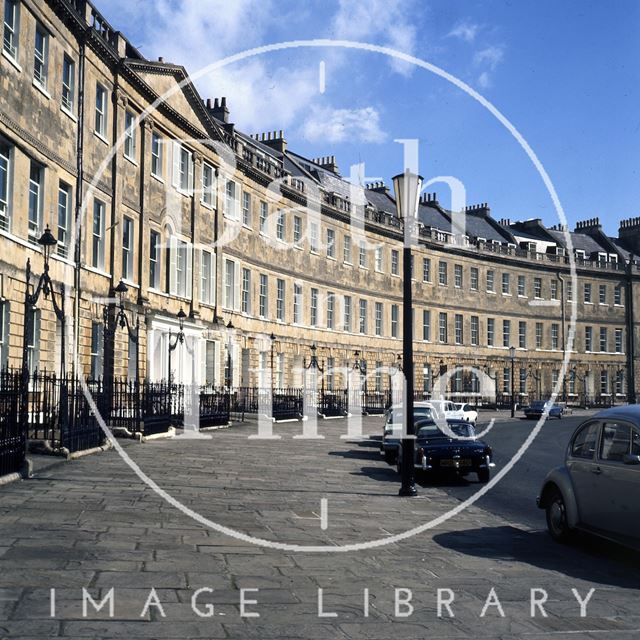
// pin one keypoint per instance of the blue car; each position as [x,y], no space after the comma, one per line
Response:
[537,409]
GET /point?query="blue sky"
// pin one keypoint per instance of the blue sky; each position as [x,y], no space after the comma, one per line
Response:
[565,73]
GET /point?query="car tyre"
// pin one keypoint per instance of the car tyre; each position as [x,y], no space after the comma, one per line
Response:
[557,523]
[484,475]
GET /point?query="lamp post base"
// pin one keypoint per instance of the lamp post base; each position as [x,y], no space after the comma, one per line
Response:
[408,492]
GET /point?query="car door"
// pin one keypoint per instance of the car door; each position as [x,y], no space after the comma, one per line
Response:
[583,469]
[618,510]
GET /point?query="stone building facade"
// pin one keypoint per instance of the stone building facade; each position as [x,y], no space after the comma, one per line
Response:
[267,252]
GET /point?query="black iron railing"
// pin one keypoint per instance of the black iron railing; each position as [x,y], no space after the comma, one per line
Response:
[12,431]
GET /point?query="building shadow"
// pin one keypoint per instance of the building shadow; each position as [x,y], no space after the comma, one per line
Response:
[588,558]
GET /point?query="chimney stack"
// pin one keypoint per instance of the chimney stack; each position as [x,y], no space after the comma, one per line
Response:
[219,109]
[329,163]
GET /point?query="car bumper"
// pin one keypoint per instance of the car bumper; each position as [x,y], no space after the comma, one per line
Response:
[485,463]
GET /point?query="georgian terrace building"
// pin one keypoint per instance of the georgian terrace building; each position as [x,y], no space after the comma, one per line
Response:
[266,251]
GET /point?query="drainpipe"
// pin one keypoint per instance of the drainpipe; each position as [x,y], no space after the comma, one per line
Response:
[78,203]
[564,330]
[631,356]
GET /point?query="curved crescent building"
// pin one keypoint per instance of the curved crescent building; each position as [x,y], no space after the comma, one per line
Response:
[267,252]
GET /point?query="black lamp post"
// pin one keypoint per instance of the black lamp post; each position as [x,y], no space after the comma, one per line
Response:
[407,187]
[111,325]
[272,337]
[512,356]
[583,379]
[229,377]
[174,341]
[43,286]
[537,377]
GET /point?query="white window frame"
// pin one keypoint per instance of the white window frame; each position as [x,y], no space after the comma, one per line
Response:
[207,280]
[347,248]
[68,94]
[348,313]
[6,168]
[263,296]
[395,320]
[280,299]
[363,316]
[378,259]
[246,209]
[379,312]
[208,183]
[180,268]
[11,34]
[297,303]
[280,225]
[129,146]
[264,217]
[154,259]
[98,235]
[128,236]
[157,156]
[426,325]
[245,291]
[64,219]
[102,110]
[331,243]
[36,190]
[41,57]
[331,310]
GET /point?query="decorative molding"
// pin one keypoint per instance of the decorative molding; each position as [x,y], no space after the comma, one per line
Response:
[23,134]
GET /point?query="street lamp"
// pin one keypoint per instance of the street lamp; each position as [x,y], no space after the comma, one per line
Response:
[229,377]
[177,339]
[43,286]
[537,377]
[407,187]
[583,379]
[272,337]
[512,356]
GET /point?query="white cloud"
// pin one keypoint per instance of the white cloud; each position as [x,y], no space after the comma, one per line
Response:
[488,60]
[325,124]
[466,31]
[491,56]
[387,22]
[484,80]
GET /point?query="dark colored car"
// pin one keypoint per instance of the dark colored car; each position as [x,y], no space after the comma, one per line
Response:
[439,453]
[537,409]
[597,489]
[392,430]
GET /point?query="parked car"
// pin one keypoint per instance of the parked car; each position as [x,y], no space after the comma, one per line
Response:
[438,453]
[537,409]
[469,413]
[392,430]
[597,487]
[446,409]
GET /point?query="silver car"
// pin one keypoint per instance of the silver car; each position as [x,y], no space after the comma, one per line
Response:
[598,487]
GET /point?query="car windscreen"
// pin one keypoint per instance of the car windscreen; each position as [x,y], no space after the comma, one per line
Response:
[432,431]
[396,416]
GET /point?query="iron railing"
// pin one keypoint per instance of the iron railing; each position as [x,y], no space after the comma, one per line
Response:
[12,432]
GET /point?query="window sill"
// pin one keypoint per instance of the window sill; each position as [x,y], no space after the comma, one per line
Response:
[58,258]
[130,159]
[130,283]
[158,178]
[68,113]
[206,205]
[12,61]
[245,226]
[100,137]
[41,89]
[20,241]
[157,292]
[96,270]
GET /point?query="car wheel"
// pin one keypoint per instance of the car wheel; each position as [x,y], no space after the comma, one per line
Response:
[557,522]
[484,476]
[389,457]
